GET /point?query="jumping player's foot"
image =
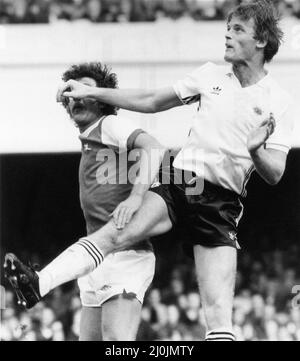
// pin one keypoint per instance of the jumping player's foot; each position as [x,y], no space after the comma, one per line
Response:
[24,279]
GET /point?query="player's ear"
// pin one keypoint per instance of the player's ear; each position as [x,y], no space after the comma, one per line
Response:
[262,41]
[261,44]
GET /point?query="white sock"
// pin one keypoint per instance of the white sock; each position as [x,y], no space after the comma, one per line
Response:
[221,334]
[76,261]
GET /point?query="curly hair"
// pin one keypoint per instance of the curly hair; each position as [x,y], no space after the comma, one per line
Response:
[266,20]
[100,73]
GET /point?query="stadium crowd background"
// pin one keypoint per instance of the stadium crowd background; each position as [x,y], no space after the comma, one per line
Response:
[268,270]
[172,310]
[50,11]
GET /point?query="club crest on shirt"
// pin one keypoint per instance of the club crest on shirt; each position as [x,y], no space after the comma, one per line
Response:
[86,147]
[258,111]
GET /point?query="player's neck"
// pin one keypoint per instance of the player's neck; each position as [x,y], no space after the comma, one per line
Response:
[82,128]
[249,74]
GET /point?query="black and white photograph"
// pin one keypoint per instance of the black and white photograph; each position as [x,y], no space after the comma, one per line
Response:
[150,173]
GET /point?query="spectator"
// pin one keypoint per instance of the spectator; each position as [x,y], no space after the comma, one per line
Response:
[94,11]
[172,311]
[44,11]
[146,332]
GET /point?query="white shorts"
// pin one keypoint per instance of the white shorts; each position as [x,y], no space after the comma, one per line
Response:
[132,271]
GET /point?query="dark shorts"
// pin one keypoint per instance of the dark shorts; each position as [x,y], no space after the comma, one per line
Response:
[208,214]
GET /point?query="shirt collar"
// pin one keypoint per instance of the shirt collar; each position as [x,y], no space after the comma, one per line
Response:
[262,82]
[88,131]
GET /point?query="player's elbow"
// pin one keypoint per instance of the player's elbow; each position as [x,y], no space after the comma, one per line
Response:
[272,181]
[275,178]
[159,100]
[147,102]
[152,106]
[154,103]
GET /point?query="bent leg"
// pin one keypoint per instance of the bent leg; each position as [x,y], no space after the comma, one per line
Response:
[121,318]
[90,324]
[86,255]
[152,219]
[216,271]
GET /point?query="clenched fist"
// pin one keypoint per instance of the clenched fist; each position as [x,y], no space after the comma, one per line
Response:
[73,89]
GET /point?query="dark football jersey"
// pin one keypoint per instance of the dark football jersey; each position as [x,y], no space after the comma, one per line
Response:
[104,167]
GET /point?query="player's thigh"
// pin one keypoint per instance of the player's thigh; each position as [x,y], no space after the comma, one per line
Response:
[121,318]
[216,272]
[153,217]
[90,324]
[150,220]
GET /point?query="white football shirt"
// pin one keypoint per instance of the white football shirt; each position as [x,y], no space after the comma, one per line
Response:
[216,148]
[117,132]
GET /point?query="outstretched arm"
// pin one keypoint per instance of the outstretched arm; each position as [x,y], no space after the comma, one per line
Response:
[138,100]
[269,163]
[151,156]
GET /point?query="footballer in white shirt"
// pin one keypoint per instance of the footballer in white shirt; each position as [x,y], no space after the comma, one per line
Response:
[243,123]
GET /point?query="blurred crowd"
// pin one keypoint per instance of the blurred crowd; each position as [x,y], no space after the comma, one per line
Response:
[265,308]
[98,11]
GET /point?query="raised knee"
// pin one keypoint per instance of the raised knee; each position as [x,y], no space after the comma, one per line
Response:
[121,239]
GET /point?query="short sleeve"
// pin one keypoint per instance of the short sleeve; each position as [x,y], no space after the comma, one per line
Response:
[281,139]
[120,132]
[190,88]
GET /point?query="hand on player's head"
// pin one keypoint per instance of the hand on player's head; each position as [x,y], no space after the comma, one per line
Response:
[66,86]
[71,89]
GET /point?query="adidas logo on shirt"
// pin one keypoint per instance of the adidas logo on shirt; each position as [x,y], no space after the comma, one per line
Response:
[216,90]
